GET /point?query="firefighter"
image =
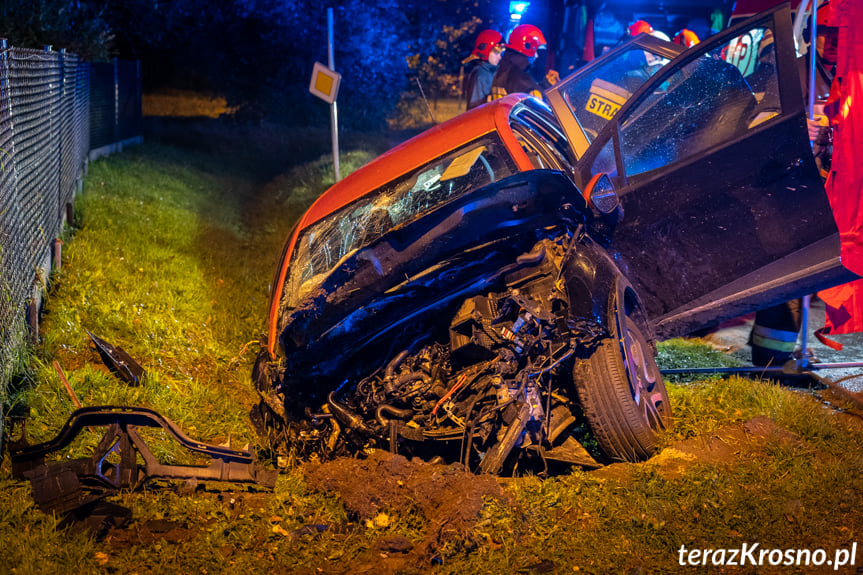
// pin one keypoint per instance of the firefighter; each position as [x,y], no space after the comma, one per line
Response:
[825,70]
[512,75]
[482,62]
[774,333]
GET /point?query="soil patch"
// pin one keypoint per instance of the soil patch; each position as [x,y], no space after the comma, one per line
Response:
[726,446]
[148,533]
[447,498]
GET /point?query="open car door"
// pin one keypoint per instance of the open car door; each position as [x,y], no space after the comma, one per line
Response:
[724,211]
[591,97]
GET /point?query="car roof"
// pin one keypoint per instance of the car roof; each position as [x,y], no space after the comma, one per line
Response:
[413,153]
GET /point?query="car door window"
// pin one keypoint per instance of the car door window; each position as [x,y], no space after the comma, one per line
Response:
[595,97]
[712,99]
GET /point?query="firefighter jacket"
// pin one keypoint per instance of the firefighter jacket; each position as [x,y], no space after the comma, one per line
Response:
[512,76]
[477,84]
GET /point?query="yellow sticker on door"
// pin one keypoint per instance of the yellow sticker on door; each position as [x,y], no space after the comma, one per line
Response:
[606,98]
[602,107]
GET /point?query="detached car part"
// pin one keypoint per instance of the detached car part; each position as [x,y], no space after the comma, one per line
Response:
[119,361]
[67,485]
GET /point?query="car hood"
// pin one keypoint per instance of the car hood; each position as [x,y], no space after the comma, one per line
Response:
[390,286]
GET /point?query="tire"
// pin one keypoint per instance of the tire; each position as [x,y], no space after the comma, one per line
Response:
[620,388]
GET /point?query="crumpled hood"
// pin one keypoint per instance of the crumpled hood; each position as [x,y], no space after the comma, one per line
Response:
[386,288]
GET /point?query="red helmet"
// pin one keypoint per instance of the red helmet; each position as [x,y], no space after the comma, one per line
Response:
[486,41]
[686,38]
[640,27]
[526,39]
[826,17]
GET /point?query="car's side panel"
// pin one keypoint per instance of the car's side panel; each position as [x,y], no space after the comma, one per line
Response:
[590,276]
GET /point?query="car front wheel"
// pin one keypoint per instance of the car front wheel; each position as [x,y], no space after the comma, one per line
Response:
[620,388]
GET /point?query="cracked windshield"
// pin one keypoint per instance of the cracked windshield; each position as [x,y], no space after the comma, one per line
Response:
[359,224]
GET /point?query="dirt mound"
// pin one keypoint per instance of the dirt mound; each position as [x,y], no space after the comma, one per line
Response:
[449,500]
[736,439]
[724,446]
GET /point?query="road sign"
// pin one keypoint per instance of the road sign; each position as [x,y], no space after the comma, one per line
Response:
[325,83]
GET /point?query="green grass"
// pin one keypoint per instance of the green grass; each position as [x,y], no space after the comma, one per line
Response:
[172,259]
[146,271]
[679,353]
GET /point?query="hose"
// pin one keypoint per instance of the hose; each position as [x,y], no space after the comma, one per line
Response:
[345,415]
[391,366]
[396,412]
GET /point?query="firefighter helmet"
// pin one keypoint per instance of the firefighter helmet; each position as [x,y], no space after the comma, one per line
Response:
[486,41]
[826,16]
[640,27]
[526,39]
[686,38]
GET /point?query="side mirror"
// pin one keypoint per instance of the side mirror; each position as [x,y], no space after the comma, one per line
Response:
[601,194]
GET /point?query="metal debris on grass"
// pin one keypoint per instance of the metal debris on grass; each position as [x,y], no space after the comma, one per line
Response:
[76,487]
[119,361]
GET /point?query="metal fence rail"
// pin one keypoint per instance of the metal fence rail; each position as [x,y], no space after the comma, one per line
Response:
[45,142]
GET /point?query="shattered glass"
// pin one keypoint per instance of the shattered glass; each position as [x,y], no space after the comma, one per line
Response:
[730,90]
[324,244]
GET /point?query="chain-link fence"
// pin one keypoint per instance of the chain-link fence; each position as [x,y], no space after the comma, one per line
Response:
[115,105]
[45,140]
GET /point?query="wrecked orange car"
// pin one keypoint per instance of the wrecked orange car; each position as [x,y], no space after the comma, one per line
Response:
[490,292]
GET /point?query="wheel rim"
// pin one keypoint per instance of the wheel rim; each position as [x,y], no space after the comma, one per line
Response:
[643,375]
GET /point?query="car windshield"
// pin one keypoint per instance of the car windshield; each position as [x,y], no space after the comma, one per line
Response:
[598,92]
[324,244]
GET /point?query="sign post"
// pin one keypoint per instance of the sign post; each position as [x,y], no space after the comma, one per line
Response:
[325,85]
[333,112]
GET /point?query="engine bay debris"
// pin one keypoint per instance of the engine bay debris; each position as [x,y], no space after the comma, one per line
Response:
[491,390]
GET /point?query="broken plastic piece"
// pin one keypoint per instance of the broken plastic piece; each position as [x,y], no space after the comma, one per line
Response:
[120,361]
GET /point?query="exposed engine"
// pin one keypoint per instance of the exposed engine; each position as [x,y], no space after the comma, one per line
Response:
[497,393]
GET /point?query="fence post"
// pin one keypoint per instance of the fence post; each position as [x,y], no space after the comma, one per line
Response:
[85,134]
[139,102]
[7,156]
[7,92]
